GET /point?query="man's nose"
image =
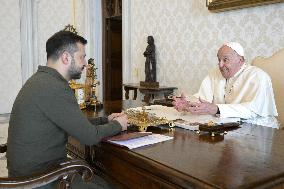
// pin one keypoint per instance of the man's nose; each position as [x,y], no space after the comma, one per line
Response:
[85,63]
[221,64]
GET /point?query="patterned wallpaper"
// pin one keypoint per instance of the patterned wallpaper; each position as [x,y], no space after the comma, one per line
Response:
[187,37]
[53,16]
[10,53]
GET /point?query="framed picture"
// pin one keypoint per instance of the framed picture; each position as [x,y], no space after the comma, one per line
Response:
[225,5]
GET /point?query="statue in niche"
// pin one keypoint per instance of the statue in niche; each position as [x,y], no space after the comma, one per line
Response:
[150,64]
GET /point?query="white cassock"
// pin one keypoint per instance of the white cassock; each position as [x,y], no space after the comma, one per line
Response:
[247,95]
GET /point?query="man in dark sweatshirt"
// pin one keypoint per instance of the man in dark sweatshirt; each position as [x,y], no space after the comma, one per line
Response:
[46,112]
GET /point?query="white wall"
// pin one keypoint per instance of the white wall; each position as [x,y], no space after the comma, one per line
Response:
[10,54]
[54,15]
[187,37]
[49,17]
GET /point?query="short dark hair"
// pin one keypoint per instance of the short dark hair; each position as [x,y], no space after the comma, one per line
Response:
[63,41]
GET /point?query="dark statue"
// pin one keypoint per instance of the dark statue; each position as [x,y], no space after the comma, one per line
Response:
[150,64]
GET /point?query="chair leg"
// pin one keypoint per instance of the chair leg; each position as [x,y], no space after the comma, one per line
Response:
[3,148]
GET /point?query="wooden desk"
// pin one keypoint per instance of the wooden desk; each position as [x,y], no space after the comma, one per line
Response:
[249,157]
[149,92]
[77,150]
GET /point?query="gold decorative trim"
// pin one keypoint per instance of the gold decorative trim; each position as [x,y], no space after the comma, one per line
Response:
[70,28]
[225,5]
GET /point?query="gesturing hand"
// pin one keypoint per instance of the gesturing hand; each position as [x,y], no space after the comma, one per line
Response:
[180,104]
[202,107]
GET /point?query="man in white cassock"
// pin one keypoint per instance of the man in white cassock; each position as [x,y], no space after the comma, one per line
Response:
[234,89]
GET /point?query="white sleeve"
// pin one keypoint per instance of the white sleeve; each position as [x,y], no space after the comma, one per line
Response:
[235,110]
[259,102]
[205,91]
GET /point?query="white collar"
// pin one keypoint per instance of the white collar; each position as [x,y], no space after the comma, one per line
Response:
[240,71]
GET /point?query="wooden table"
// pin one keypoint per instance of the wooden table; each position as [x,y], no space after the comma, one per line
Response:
[149,92]
[77,150]
[249,157]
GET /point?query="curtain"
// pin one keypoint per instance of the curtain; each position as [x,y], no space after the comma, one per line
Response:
[93,23]
[28,29]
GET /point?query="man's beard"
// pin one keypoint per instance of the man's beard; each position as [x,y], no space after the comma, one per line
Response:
[74,72]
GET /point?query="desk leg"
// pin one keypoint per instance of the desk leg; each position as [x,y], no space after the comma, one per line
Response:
[126,93]
[147,98]
[135,94]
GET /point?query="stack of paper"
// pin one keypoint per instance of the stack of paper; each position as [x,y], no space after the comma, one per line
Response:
[132,142]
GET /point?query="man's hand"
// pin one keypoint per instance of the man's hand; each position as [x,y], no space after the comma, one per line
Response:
[180,104]
[114,115]
[123,121]
[202,107]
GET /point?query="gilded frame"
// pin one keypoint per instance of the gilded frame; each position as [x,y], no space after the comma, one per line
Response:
[225,5]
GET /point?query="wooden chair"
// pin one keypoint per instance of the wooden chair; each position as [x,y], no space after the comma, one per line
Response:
[64,172]
[274,66]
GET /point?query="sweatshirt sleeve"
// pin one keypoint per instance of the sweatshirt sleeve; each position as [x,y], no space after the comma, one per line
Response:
[62,109]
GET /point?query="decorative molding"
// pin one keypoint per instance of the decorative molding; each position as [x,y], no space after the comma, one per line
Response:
[225,5]
[113,8]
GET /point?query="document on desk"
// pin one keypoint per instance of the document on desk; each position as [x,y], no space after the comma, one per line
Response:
[186,120]
[141,141]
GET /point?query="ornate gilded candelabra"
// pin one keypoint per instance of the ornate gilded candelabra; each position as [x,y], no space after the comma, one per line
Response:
[79,93]
[86,93]
[91,84]
[142,119]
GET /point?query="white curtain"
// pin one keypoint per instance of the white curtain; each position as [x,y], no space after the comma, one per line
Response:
[29,55]
[126,41]
[93,23]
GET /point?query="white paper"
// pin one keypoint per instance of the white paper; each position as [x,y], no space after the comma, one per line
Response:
[142,141]
[170,113]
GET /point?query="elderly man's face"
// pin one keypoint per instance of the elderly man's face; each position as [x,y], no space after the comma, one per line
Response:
[229,61]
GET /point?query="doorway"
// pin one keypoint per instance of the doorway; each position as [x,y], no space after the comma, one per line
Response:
[112,57]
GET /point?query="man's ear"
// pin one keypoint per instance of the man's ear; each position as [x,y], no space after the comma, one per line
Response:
[66,58]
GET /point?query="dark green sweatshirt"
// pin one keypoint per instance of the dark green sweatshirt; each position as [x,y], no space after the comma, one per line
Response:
[44,113]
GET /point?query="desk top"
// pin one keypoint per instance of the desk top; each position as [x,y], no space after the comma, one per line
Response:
[249,157]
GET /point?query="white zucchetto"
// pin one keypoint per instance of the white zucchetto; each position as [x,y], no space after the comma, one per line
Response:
[236,47]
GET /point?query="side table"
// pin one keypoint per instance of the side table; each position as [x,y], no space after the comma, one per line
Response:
[148,92]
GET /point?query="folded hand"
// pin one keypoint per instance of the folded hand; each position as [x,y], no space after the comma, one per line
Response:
[121,118]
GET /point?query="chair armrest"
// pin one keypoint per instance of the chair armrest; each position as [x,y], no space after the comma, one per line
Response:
[64,172]
[3,148]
